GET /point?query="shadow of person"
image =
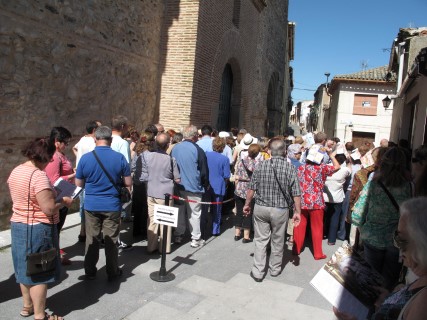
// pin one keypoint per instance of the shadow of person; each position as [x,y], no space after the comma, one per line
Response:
[85,293]
[9,289]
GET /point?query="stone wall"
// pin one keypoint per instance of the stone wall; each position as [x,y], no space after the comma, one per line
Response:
[67,62]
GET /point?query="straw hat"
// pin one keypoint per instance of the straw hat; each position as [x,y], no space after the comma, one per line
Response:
[247,141]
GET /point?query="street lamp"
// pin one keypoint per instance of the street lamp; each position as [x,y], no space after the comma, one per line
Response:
[386,102]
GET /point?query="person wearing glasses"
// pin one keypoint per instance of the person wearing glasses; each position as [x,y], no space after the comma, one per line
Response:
[410,238]
[60,167]
[376,213]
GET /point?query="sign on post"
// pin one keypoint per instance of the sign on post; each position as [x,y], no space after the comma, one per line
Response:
[166,215]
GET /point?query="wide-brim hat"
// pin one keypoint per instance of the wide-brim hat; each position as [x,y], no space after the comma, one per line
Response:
[247,140]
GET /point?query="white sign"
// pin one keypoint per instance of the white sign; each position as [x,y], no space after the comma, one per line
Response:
[166,215]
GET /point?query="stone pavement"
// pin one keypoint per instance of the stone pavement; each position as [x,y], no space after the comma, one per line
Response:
[212,282]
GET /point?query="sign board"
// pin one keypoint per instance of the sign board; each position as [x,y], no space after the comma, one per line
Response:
[166,215]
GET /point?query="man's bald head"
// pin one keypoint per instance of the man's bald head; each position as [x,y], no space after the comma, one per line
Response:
[162,141]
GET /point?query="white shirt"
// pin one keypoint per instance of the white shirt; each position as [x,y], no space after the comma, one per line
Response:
[335,185]
[85,145]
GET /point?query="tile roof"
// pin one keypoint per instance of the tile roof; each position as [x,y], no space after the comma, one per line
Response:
[375,74]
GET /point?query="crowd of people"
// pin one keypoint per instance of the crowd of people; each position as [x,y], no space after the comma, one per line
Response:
[373,197]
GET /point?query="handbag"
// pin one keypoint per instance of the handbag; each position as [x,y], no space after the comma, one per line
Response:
[124,193]
[40,263]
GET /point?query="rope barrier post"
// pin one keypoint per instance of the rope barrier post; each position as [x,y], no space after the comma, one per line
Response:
[162,275]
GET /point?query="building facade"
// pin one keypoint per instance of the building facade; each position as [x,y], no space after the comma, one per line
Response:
[409,60]
[356,111]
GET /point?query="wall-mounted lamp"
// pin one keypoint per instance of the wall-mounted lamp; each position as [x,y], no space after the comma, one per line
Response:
[386,102]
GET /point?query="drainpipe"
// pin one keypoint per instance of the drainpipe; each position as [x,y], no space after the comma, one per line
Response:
[401,61]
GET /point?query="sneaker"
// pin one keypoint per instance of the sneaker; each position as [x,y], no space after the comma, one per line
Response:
[123,246]
[197,243]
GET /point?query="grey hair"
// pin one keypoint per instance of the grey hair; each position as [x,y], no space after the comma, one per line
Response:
[277,148]
[189,132]
[416,218]
[103,133]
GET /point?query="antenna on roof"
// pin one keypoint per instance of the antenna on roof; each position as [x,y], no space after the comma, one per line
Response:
[364,64]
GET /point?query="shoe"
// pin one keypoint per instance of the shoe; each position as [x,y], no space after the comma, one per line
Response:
[82,238]
[256,279]
[246,240]
[197,243]
[331,243]
[274,275]
[90,276]
[123,246]
[237,238]
[178,240]
[115,276]
[321,257]
[215,234]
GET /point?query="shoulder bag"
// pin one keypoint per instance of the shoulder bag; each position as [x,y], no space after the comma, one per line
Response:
[124,193]
[288,200]
[40,263]
[389,195]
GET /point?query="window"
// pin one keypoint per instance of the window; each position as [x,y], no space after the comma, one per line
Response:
[236,13]
[365,105]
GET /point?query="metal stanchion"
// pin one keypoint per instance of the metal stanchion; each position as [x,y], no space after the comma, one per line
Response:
[162,275]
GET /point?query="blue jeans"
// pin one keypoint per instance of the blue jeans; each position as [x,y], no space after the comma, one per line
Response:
[334,212]
[345,207]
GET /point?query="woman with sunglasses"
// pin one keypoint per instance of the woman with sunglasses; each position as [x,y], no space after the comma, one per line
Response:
[60,167]
[411,239]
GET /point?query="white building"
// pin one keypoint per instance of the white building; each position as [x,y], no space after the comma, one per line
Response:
[356,110]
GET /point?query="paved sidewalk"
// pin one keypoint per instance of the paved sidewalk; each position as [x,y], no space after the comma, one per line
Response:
[212,282]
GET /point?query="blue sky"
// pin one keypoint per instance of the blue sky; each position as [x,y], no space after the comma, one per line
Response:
[337,36]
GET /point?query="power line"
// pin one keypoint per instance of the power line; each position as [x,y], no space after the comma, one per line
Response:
[303,89]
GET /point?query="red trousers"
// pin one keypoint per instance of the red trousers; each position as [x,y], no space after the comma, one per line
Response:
[316,222]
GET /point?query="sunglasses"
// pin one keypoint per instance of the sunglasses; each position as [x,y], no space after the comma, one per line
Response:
[398,242]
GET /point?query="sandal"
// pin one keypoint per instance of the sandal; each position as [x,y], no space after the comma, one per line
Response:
[27,311]
[51,317]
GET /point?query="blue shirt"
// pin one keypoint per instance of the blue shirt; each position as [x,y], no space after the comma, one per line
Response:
[219,169]
[100,194]
[186,156]
[205,143]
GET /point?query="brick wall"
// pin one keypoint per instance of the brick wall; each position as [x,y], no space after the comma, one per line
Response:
[177,62]
[202,42]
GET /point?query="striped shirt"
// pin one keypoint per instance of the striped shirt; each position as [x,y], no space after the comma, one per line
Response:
[18,183]
[268,192]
